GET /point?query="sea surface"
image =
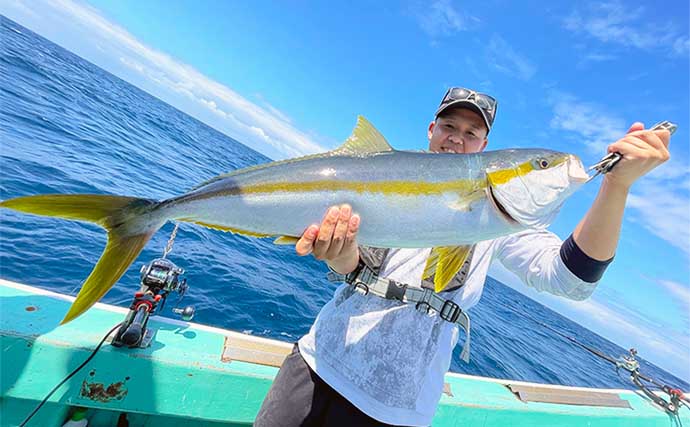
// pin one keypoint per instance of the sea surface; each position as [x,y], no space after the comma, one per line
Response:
[67,126]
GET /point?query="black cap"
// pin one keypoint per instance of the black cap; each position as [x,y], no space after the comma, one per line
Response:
[480,103]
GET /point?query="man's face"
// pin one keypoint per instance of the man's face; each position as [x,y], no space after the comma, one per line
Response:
[458,131]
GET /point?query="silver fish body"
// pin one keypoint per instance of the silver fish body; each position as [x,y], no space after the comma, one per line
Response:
[404,199]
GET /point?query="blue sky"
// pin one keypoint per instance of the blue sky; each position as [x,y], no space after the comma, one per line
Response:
[289,78]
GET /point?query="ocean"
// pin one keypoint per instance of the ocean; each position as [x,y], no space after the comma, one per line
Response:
[67,126]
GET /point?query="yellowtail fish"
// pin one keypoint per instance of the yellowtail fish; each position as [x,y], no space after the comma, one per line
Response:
[406,199]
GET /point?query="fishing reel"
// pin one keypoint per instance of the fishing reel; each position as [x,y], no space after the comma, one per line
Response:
[158,279]
[162,275]
[676,398]
[629,362]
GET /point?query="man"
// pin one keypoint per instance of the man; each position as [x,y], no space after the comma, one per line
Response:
[369,360]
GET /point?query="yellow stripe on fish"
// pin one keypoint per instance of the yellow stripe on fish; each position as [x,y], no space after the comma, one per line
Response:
[406,188]
[502,176]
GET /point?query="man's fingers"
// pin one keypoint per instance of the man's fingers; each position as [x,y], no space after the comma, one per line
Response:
[647,144]
[636,127]
[323,240]
[627,144]
[352,229]
[305,244]
[664,136]
[340,232]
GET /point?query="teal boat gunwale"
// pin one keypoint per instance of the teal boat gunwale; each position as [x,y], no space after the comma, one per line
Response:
[183,376]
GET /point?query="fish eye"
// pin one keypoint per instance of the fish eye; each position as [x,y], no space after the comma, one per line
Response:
[543,163]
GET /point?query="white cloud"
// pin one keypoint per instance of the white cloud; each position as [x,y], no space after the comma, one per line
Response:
[591,58]
[505,59]
[618,23]
[599,57]
[594,128]
[640,333]
[663,208]
[440,18]
[676,289]
[81,29]
[659,201]
[682,45]
[612,319]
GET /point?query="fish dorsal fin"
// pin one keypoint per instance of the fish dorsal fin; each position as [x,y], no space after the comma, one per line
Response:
[444,262]
[365,138]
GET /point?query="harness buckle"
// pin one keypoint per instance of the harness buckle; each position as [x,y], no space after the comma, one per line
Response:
[450,311]
[423,303]
[361,287]
[395,290]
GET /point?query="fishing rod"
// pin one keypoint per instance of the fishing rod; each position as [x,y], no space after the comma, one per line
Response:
[629,363]
[159,278]
[676,398]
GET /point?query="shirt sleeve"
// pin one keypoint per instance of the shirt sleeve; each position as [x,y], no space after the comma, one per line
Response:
[534,256]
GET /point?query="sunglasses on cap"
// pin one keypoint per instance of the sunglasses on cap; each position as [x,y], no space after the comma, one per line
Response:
[486,104]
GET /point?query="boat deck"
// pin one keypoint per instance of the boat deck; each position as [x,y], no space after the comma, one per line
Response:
[196,375]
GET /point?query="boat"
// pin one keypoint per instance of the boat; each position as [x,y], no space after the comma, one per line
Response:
[192,375]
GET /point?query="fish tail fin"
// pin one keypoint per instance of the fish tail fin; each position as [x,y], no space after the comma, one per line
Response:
[117,214]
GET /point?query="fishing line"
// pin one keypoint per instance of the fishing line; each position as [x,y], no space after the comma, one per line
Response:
[71,374]
[677,398]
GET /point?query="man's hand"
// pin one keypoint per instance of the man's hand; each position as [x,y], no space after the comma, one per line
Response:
[642,151]
[334,241]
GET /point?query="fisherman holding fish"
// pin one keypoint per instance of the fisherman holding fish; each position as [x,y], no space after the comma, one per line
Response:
[432,222]
[378,351]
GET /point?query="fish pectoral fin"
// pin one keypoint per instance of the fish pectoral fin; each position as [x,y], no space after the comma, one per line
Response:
[465,201]
[286,240]
[225,228]
[365,138]
[431,263]
[444,263]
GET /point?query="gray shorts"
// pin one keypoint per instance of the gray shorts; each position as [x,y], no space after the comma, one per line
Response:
[298,397]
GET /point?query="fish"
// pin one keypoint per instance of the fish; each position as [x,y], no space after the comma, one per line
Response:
[406,199]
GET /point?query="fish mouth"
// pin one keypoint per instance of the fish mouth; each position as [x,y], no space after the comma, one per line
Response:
[498,207]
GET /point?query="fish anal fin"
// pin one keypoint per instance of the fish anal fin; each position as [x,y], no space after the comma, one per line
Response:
[226,229]
[286,240]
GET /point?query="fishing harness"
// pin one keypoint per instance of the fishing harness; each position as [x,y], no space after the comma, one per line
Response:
[364,280]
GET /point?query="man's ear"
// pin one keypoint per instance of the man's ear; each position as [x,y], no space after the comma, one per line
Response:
[431,129]
[486,142]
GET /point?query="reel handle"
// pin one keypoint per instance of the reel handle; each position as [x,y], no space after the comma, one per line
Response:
[186,313]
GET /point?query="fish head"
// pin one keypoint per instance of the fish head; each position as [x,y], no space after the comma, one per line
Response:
[528,187]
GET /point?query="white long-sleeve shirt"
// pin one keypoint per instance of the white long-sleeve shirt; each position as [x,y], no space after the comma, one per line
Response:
[389,359]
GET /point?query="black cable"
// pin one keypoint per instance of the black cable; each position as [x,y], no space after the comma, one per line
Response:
[93,353]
